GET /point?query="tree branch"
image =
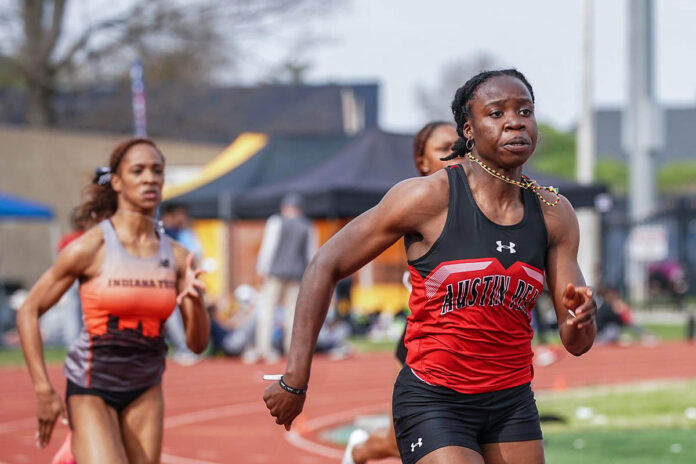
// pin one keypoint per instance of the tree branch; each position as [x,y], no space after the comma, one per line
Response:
[50,40]
[83,40]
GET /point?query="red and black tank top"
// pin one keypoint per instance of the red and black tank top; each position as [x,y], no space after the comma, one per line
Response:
[470,323]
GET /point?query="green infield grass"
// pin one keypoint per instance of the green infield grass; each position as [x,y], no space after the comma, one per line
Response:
[646,423]
[14,357]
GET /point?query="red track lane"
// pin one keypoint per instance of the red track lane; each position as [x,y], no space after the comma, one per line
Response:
[214,412]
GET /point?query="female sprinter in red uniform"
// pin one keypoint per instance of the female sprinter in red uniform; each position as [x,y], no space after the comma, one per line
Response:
[433,142]
[480,237]
[130,275]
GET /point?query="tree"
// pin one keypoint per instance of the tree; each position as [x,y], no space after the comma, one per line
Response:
[435,101]
[293,69]
[176,39]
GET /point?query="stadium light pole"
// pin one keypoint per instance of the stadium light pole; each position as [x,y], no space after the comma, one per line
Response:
[588,218]
[642,131]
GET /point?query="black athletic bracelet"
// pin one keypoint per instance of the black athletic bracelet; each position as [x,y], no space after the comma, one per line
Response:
[288,388]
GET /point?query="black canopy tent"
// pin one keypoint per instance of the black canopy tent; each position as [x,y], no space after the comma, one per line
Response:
[280,158]
[357,177]
[347,184]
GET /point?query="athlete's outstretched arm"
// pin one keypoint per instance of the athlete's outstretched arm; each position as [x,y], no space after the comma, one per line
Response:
[190,300]
[362,240]
[565,280]
[72,263]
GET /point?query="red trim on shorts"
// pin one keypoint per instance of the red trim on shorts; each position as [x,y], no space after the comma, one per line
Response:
[89,364]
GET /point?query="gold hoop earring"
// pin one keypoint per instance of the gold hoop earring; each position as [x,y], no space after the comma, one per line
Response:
[469,145]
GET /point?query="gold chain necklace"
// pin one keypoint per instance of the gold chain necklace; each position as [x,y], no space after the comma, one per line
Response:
[525,183]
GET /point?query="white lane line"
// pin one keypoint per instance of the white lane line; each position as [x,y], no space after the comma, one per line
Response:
[178,420]
[20,424]
[236,410]
[329,419]
[302,443]
[169,422]
[171,459]
[213,413]
[297,440]
[226,411]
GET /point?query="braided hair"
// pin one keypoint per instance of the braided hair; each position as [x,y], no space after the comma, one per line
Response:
[461,105]
[101,199]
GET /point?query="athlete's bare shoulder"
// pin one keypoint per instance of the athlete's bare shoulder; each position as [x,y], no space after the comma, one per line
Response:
[421,197]
[561,221]
[412,204]
[83,255]
[86,244]
[436,186]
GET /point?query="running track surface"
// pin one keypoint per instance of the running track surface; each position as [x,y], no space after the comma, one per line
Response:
[214,411]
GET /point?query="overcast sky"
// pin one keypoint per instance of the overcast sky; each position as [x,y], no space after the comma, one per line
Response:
[404,43]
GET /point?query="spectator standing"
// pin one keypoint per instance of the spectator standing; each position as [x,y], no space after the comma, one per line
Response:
[289,242]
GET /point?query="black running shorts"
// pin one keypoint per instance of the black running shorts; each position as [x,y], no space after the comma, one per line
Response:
[428,417]
[119,400]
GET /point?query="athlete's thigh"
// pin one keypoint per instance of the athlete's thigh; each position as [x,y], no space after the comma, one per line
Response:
[514,452]
[96,436]
[452,455]
[141,426]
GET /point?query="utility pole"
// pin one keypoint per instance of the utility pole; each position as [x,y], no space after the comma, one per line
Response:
[642,136]
[138,102]
[585,160]
[586,129]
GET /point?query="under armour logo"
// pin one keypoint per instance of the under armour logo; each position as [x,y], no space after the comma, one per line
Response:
[419,443]
[164,263]
[510,247]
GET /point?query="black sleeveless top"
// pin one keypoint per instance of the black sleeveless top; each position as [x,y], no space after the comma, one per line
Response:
[470,323]
[468,233]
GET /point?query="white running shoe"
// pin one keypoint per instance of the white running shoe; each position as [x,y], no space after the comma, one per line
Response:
[186,358]
[356,437]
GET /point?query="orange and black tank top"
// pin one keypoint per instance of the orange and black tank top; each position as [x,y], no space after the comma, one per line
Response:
[124,309]
[470,323]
